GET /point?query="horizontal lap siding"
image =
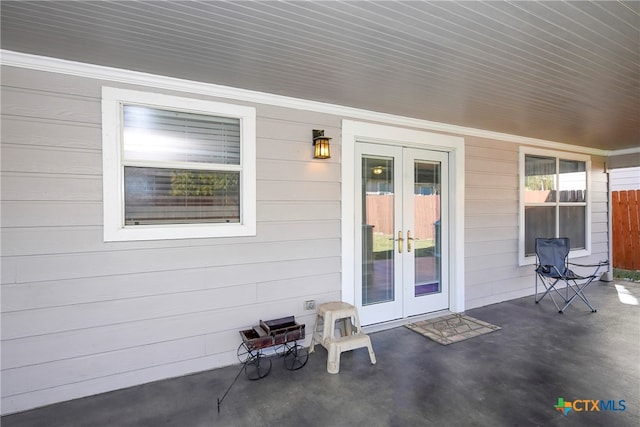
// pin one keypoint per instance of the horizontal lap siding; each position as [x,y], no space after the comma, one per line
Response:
[492,273]
[625,179]
[80,316]
[491,220]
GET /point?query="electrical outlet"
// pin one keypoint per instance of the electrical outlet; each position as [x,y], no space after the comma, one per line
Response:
[310,305]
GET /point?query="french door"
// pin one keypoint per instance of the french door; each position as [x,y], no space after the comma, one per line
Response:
[402,212]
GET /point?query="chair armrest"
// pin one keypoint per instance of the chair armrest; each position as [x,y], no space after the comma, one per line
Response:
[600,264]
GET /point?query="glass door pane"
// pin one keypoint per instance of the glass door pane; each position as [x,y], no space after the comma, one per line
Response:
[425,219]
[378,254]
[427,232]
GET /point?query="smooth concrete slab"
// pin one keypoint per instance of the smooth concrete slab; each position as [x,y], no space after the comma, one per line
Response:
[512,377]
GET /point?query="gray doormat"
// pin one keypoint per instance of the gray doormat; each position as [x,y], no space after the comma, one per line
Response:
[452,328]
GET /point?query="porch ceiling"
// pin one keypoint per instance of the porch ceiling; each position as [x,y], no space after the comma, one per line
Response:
[560,71]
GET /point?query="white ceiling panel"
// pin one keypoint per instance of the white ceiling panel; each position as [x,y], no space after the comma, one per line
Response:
[560,71]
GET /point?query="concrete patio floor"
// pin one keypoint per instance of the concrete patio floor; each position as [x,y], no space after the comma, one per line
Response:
[512,377]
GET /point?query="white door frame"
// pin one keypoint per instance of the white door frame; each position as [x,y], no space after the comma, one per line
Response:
[353,131]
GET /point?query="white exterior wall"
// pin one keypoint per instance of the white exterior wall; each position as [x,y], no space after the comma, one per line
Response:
[625,179]
[80,316]
[491,222]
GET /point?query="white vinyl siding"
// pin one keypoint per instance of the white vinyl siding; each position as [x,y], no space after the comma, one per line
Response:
[625,179]
[82,316]
[493,269]
[491,224]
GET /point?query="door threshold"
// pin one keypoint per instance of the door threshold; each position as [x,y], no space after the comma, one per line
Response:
[383,326]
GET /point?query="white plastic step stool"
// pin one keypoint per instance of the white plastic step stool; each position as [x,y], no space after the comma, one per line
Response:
[343,316]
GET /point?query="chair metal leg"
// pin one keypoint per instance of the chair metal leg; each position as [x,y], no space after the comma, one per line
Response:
[578,292]
[548,289]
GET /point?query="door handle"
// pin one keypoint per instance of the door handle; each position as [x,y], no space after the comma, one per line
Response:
[409,240]
[400,239]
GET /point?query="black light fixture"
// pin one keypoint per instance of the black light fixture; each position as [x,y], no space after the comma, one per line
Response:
[320,145]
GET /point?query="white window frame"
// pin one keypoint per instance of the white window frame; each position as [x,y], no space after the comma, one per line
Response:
[523,151]
[113,169]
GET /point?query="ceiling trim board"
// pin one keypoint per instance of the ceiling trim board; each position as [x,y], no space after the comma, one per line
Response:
[624,151]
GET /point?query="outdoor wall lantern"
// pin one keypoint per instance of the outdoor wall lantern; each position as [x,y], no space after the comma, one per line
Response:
[320,145]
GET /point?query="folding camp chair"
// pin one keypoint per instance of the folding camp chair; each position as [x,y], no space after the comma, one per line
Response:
[552,269]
